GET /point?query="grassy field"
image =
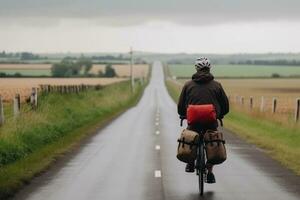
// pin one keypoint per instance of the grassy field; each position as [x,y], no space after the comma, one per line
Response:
[33,141]
[9,87]
[45,69]
[26,69]
[238,70]
[279,139]
[27,72]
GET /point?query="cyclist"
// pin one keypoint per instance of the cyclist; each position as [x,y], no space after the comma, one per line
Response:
[203,89]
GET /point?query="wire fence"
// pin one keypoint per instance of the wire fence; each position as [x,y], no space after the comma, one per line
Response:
[270,105]
[11,111]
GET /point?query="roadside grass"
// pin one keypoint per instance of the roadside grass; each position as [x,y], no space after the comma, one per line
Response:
[280,140]
[29,144]
[173,89]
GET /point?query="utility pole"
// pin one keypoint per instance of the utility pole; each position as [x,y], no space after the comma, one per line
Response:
[131,69]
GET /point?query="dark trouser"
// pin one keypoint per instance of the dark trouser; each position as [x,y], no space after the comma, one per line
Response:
[201,128]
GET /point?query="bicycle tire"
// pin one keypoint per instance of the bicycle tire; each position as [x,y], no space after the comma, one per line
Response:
[201,169]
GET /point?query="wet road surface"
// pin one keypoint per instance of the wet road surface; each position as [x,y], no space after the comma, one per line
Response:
[134,158]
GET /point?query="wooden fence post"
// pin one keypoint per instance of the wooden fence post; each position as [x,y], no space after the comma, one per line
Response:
[17,105]
[46,88]
[297,110]
[242,100]
[34,98]
[262,104]
[63,89]
[42,87]
[274,105]
[251,102]
[236,99]
[1,112]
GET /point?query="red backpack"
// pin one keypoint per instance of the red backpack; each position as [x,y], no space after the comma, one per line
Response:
[201,114]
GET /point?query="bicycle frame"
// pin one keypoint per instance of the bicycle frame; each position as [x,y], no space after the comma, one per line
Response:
[201,157]
[200,161]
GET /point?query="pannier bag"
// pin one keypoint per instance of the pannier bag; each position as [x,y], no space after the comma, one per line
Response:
[215,147]
[201,114]
[187,146]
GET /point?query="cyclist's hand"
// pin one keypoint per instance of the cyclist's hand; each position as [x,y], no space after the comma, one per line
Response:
[182,117]
[181,120]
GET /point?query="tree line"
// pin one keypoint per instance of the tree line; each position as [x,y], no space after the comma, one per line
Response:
[81,67]
[22,56]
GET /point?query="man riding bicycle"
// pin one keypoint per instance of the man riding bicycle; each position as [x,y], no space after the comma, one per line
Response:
[203,89]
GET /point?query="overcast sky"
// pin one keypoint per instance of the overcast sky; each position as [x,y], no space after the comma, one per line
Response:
[210,26]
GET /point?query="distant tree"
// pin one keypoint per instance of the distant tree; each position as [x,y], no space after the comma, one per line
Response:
[109,71]
[65,68]
[28,56]
[120,56]
[275,75]
[17,74]
[85,63]
[2,74]
[2,54]
[100,73]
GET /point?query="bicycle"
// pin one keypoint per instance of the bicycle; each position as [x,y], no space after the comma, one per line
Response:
[200,160]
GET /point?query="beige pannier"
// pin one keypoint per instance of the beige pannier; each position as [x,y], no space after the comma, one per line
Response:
[215,147]
[187,146]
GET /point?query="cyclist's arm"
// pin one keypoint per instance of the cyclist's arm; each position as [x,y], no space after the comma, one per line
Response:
[224,103]
[181,107]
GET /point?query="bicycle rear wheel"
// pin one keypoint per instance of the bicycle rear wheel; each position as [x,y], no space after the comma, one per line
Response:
[201,168]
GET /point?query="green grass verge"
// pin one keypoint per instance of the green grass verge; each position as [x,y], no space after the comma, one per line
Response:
[280,141]
[31,143]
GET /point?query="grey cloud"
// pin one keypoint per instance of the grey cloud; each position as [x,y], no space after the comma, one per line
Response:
[127,12]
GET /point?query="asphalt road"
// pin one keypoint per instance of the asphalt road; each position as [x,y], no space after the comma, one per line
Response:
[134,158]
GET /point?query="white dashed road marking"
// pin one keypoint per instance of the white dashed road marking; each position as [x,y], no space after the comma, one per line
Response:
[157,147]
[157,132]
[157,173]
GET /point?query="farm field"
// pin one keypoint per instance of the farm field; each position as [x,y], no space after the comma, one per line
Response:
[237,70]
[140,70]
[10,86]
[285,90]
[45,69]
[26,69]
